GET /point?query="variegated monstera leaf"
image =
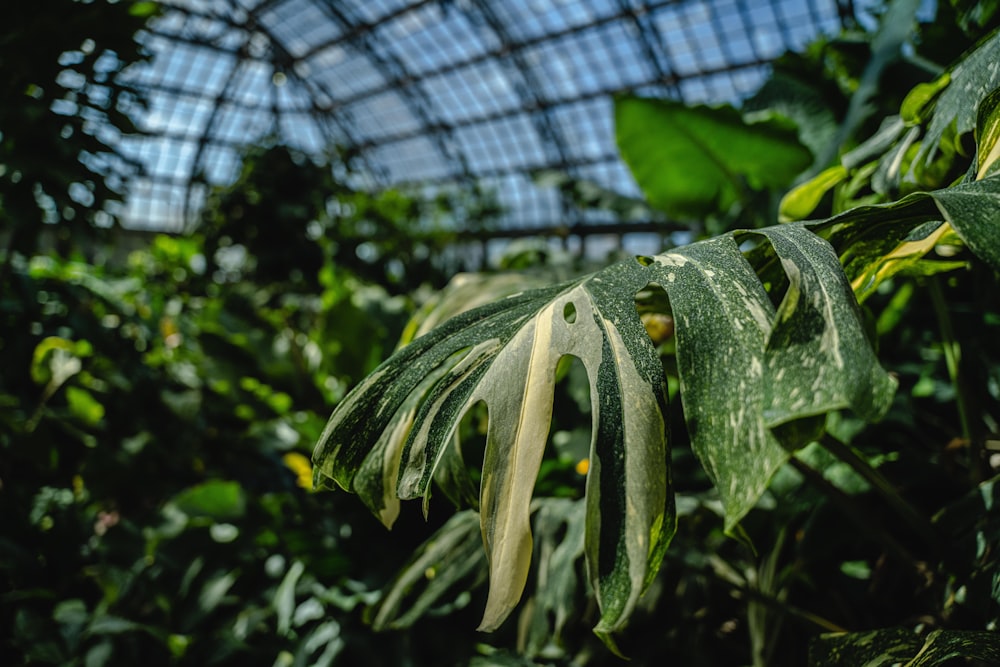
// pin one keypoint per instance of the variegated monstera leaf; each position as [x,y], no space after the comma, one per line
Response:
[750,372]
[745,367]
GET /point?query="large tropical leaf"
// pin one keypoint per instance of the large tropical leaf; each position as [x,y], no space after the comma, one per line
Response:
[744,368]
[402,418]
[697,161]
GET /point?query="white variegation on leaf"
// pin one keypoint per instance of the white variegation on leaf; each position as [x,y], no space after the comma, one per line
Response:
[745,368]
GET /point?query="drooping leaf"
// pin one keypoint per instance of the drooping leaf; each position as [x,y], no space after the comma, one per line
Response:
[559,527]
[722,319]
[818,356]
[698,161]
[505,354]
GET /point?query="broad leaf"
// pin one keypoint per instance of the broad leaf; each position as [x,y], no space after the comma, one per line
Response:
[698,161]
[505,355]
[818,357]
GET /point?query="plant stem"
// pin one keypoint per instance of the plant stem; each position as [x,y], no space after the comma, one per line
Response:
[907,512]
[857,515]
[952,358]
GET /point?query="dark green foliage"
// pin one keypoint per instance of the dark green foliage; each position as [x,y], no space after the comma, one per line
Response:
[58,61]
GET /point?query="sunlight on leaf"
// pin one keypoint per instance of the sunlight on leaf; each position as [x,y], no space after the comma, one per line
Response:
[698,161]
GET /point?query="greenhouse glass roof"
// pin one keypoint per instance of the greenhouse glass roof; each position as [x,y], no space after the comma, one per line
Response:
[431,94]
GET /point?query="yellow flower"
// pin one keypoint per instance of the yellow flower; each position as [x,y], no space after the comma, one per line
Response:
[302,468]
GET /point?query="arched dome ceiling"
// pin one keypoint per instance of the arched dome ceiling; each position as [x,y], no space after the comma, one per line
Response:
[435,92]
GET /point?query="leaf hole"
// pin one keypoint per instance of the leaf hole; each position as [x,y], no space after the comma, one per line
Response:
[644,260]
[569,312]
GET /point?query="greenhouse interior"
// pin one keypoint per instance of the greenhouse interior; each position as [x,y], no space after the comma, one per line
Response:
[511,333]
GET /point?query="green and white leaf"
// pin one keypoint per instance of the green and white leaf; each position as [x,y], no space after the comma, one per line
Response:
[722,319]
[818,356]
[975,76]
[505,355]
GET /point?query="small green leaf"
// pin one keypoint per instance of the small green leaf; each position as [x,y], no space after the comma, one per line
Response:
[803,199]
[144,9]
[284,597]
[919,102]
[84,406]
[216,499]
[56,360]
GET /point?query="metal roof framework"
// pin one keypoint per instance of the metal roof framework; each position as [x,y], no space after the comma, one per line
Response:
[433,93]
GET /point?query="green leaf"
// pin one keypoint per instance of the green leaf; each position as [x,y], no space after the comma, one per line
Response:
[144,9]
[284,597]
[697,161]
[867,235]
[215,499]
[818,356]
[803,199]
[973,209]
[920,101]
[56,360]
[972,79]
[449,562]
[84,406]
[722,319]
[505,354]
[899,646]
[988,135]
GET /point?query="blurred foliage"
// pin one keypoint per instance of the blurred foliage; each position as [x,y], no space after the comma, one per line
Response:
[155,428]
[288,213]
[58,61]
